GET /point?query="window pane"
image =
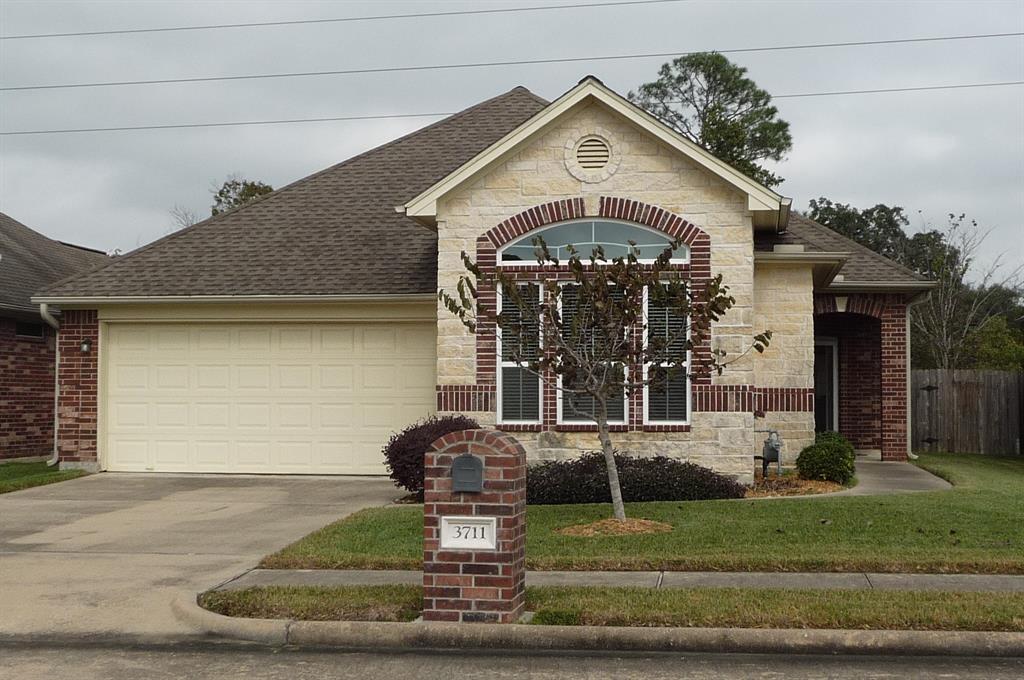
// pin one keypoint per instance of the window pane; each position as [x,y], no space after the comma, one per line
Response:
[666,398]
[666,324]
[613,236]
[520,395]
[519,333]
[585,404]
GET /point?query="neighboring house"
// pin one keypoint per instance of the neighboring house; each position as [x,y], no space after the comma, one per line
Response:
[30,261]
[294,334]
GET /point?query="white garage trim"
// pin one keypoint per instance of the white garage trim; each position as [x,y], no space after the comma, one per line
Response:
[287,397]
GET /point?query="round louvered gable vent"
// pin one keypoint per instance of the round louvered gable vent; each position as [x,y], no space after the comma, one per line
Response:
[593,153]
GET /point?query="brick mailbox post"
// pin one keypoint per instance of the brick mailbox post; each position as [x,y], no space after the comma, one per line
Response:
[474,528]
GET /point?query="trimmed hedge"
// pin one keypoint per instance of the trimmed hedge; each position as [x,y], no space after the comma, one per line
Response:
[829,458]
[585,480]
[405,450]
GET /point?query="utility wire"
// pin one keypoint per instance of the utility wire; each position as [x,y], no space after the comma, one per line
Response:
[489,64]
[339,20]
[440,114]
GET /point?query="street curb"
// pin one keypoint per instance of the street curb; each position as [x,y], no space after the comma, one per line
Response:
[378,635]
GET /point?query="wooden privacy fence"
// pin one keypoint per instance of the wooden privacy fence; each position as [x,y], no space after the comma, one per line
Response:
[967,411]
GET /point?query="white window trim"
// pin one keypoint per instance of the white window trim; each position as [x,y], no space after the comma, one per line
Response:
[833,343]
[682,255]
[501,363]
[689,382]
[559,419]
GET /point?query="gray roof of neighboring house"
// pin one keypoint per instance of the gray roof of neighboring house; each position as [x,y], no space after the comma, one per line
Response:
[333,233]
[30,261]
[336,232]
[864,265]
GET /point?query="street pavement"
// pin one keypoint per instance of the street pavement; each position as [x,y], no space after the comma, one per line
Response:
[225,662]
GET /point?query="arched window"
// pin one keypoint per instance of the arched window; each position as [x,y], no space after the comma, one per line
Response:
[585,235]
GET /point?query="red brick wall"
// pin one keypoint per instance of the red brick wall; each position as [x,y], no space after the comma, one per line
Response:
[26,392]
[479,586]
[894,382]
[860,402]
[872,369]
[78,381]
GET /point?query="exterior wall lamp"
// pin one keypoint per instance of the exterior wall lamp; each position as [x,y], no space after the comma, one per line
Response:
[86,345]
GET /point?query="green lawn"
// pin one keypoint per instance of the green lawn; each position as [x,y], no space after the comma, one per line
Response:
[976,527]
[18,476]
[705,607]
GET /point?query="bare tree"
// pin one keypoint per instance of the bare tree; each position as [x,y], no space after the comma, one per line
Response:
[600,331]
[946,323]
[182,217]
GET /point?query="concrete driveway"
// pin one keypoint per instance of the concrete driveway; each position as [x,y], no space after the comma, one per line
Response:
[104,555]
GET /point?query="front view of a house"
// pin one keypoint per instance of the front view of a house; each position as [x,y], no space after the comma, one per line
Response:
[295,334]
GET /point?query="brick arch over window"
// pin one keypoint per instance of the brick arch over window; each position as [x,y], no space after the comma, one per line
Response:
[698,270]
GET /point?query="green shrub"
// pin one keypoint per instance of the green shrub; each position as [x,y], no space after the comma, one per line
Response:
[829,458]
[833,439]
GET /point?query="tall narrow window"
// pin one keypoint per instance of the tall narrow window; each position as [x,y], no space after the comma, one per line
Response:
[519,390]
[669,395]
[575,407]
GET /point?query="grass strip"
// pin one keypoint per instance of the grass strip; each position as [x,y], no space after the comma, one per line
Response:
[701,607]
[313,603]
[18,476]
[973,528]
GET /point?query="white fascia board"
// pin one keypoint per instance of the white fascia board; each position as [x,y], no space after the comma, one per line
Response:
[758,196]
[804,257]
[135,299]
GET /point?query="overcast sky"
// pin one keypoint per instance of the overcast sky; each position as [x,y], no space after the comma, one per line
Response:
[931,152]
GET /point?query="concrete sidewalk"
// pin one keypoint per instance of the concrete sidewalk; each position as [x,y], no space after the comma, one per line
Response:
[653,579]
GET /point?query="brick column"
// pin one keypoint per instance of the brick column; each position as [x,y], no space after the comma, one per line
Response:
[77,381]
[478,584]
[894,381]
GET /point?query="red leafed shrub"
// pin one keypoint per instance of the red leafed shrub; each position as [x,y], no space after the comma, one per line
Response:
[405,450]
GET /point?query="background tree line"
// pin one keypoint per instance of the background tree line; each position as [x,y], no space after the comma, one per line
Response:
[974,318]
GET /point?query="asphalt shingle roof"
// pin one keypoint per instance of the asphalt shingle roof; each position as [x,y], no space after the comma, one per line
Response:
[30,261]
[336,232]
[333,233]
[864,265]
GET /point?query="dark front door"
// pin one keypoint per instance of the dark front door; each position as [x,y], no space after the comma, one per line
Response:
[825,386]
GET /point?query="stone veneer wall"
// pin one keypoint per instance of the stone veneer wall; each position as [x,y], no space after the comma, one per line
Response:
[647,172]
[784,304]
[26,392]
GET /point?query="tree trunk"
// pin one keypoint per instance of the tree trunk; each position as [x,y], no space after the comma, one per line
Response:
[618,508]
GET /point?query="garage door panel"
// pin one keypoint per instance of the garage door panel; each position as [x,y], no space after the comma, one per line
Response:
[286,398]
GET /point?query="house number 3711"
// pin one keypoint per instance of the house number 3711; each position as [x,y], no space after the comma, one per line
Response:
[468,533]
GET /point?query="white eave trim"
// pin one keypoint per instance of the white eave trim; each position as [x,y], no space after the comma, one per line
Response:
[136,299]
[876,286]
[759,197]
[801,258]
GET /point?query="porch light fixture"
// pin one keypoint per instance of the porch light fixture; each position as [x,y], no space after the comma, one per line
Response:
[86,345]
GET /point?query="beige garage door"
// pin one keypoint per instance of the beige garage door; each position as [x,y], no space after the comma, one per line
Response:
[269,398]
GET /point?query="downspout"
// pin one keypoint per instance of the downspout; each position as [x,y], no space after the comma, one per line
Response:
[44,311]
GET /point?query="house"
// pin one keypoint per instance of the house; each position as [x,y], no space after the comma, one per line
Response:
[294,334]
[29,261]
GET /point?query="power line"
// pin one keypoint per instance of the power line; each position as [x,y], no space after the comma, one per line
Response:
[897,89]
[489,64]
[339,20]
[448,113]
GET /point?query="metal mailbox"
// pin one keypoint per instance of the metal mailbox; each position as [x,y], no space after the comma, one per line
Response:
[467,474]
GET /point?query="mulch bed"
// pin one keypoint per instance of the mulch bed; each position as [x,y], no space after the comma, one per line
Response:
[789,485]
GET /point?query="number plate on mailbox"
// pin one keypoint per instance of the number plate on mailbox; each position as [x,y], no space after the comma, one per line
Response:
[469,533]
